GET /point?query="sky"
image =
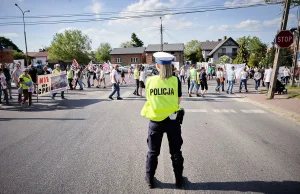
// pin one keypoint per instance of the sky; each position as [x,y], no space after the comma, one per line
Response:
[263,22]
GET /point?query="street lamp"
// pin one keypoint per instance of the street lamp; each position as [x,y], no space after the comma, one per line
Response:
[23,12]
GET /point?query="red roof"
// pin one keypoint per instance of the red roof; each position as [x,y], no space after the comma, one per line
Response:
[38,54]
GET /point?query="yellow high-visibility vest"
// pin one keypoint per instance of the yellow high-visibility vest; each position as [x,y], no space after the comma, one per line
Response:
[70,74]
[193,73]
[162,98]
[56,71]
[26,80]
[136,74]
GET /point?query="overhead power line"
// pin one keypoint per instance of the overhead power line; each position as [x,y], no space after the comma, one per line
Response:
[134,16]
[128,12]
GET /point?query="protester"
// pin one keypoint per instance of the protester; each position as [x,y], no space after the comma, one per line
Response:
[210,72]
[15,75]
[286,75]
[129,74]
[102,77]
[7,75]
[267,77]
[116,83]
[142,80]
[193,78]
[203,82]
[79,76]
[33,74]
[57,70]
[257,78]
[70,77]
[123,76]
[182,74]
[46,70]
[243,79]
[198,83]
[94,75]
[218,79]
[188,78]
[98,74]
[231,79]
[136,76]
[27,86]
[262,76]
[223,75]
[3,87]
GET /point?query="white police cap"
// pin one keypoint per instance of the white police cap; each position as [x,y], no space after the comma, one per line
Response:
[163,58]
[57,65]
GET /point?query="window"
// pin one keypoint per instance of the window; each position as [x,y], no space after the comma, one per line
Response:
[118,60]
[234,50]
[223,50]
[134,60]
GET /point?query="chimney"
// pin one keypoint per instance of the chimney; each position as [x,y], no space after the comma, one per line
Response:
[219,40]
[225,37]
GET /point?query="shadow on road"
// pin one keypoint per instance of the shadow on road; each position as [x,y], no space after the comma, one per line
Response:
[33,118]
[57,105]
[290,187]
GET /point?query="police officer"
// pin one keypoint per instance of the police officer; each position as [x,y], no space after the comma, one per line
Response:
[163,93]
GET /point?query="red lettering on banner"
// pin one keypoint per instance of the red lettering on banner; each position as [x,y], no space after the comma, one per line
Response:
[41,80]
[44,80]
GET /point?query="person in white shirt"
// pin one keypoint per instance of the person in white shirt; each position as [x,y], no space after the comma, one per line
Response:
[267,77]
[188,78]
[102,77]
[115,80]
[142,80]
[243,76]
[286,74]
[182,74]
[220,80]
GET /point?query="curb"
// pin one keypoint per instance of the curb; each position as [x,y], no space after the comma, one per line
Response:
[278,111]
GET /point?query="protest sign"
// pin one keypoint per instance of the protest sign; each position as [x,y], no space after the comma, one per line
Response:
[59,82]
[238,68]
[44,84]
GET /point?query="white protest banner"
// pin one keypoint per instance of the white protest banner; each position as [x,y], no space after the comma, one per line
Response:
[59,82]
[44,84]
[176,65]
[238,68]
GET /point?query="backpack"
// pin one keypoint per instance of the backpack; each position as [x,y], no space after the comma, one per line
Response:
[200,76]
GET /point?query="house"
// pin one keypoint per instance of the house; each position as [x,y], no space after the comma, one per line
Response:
[127,56]
[38,57]
[175,49]
[213,50]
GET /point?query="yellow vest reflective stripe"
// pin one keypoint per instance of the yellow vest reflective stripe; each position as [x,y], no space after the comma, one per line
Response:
[192,74]
[56,71]
[70,74]
[136,74]
[25,79]
[162,98]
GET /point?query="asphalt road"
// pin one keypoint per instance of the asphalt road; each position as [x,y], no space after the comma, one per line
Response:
[89,144]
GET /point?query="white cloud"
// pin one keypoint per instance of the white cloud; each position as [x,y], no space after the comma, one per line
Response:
[223,27]
[248,24]
[211,28]
[10,35]
[95,7]
[64,29]
[238,3]
[277,21]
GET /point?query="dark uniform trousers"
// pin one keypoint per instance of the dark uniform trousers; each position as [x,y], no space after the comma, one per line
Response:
[155,135]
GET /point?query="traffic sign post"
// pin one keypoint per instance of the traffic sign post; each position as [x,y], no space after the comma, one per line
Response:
[284,39]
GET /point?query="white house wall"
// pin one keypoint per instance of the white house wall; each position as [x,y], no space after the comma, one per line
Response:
[228,50]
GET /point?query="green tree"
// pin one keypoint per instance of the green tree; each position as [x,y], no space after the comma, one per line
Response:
[253,61]
[92,55]
[225,59]
[72,44]
[193,51]
[127,44]
[254,46]
[6,42]
[44,49]
[243,54]
[102,52]
[19,55]
[136,42]
[286,57]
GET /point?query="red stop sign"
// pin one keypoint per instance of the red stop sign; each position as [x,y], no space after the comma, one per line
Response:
[284,39]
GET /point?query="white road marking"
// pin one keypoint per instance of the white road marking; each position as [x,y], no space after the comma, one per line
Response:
[254,111]
[126,94]
[224,111]
[195,110]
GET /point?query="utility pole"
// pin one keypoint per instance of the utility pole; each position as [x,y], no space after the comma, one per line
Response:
[161,36]
[296,49]
[284,21]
